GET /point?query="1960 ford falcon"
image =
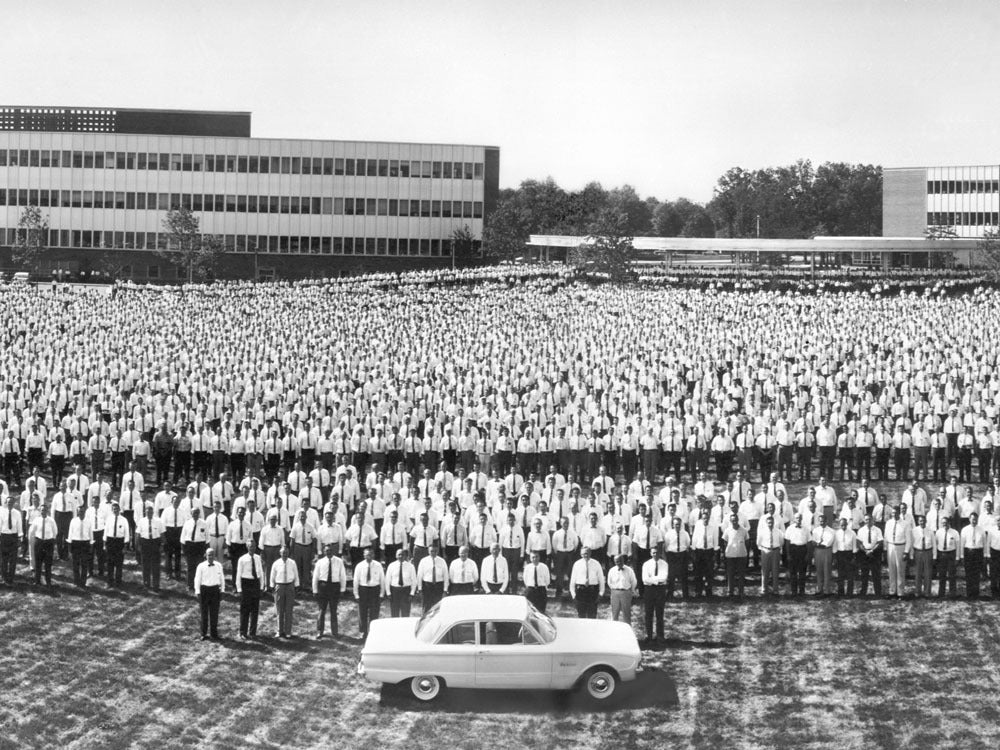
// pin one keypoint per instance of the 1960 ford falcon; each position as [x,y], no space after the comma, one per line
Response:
[495,641]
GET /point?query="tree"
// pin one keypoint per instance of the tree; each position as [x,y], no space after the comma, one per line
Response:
[505,233]
[988,252]
[187,247]
[31,237]
[608,248]
[940,232]
[463,245]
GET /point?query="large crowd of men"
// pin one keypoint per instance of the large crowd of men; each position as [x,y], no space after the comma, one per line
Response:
[406,437]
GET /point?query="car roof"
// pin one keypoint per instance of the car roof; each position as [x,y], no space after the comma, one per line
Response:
[484,607]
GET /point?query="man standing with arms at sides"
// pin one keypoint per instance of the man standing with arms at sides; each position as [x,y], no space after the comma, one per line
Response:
[150,533]
[116,536]
[770,541]
[284,580]
[623,586]
[536,582]
[173,519]
[845,547]
[462,573]
[823,539]
[43,535]
[922,553]
[329,580]
[704,545]
[432,578]
[238,533]
[870,543]
[249,573]
[897,540]
[81,546]
[400,584]
[586,584]
[494,573]
[735,540]
[11,534]
[798,537]
[946,551]
[368,581]
[564,545]
[654,579]
[971,550]
[209,583]
[194,540]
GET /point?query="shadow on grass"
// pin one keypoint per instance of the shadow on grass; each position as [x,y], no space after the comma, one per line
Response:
[652,688]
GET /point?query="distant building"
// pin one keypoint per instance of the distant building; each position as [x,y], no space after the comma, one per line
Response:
[105,179]
[964,198]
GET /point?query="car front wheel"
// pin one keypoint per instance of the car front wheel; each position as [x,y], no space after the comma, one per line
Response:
[600,683]
[426,687]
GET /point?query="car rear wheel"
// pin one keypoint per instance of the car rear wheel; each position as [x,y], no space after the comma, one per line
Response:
[600,683]
[426,687]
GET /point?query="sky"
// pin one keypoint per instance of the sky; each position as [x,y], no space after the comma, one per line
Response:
[662,95]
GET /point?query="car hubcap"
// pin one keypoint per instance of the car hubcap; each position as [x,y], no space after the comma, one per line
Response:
[425,685]
[600,684]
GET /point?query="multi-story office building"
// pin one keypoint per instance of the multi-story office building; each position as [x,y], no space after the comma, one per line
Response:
[105,179]
[965,198]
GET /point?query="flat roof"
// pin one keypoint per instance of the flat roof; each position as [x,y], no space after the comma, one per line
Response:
[745,245]
[484,607]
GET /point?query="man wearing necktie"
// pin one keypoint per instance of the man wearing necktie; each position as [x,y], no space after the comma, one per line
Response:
[623,586]
[150,532]
[368,582]
[462,573]
[536,582]
[870,555]
[329,579]
[116,536]
[284,580]
[586,584]
[303,539]
[43,533]
[11,532]
[249,572]
[922,553]
[209,582]
[654,578]
[400,584]
[946,553]
[494,573]
[432,577]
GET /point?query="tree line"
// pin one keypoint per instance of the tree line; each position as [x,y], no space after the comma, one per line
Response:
[794,201]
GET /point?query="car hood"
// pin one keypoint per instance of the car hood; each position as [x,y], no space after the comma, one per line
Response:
[391,634]
[593,636]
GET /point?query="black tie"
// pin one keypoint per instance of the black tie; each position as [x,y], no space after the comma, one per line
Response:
[253,567]
[329,572]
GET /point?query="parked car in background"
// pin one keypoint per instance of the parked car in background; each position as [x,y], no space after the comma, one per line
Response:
[491,641]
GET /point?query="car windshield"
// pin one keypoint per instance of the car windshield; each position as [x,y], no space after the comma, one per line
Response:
[542,624]
[430,625]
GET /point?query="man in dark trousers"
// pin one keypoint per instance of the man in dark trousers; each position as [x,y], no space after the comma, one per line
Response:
[329,580]
[209,584]
[249,574]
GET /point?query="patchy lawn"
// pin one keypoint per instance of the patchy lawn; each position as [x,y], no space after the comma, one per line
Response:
[117,669]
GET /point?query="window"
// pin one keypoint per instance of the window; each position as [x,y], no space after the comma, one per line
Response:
[394,168]
[338,245]
[383,167]
[294,204]
[153,272]
[77,159]
[165,163]
[34,158]
[338,166]
[477,210]
[478,170]
[152,161]
[446,209]
[393,207]
[349,167]
[55,158]
[381,246]
[467,210]
[275,165]
[425,209]
[446,170]
[327,205]
[88,198]
[88,160]
[457,170]
[296,165]
[383,207]
[196,202]
[141,161]
[252,204]
[176,163]
[241,204]
[404,208]
[436,170]
[404,169]
[371,206]
[414,169]
[369,246]
[265,165]
[328,166]
[338,206]
[468,170]
[425,169]
[285,204]
[140,201]
[500,633]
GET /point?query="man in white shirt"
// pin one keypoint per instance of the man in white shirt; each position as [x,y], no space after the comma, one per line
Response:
[870,543]
[249,574]
[898,538]
[400,584]
[11,535]
[947,551]
[586,584]
[654,578]
[329,580]
[622,585]
[81,545]
[284,580]
[845,546]
[972,548]
[209,584]
[42,535]
[116,537]
[494,573]
[368,581]
[432,577]
[462,573]
[922,554]
[770,541]
[536,582]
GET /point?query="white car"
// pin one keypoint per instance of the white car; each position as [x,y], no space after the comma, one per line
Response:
[497,641]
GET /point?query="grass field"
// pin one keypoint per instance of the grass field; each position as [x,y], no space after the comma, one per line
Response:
[119,669]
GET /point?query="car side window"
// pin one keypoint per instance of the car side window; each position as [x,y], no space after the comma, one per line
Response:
[500,633]
[464,633]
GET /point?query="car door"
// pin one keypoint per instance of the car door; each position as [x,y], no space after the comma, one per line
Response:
[511,656]
[453,657]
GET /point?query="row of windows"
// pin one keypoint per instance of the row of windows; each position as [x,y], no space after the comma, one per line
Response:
[254,204]
[239,243]
[963,218]
[963,186]
[447,170]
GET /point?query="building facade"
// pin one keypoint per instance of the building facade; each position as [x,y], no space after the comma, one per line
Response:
[964,198]
[282,207]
